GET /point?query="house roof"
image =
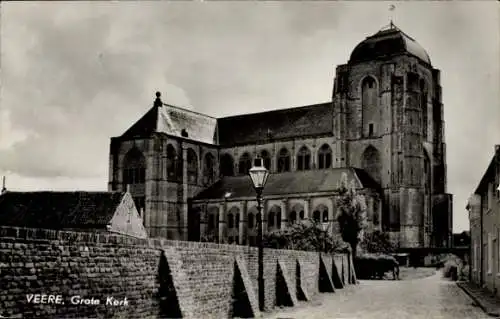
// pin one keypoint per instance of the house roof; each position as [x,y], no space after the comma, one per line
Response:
[302,121]
[59,210]
[299,182]
[489,174]
[172,120]
[311,120]
[386,43]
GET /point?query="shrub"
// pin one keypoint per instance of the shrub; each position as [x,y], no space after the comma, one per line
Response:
[378,242]
[307,235]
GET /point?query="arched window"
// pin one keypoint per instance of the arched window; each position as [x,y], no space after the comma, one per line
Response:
[237,219]
[270,219]
[230,221]
[325,216]
[226,165]
[371,163]
[251,220]
[258,219]
[172,164]
[274,216]
[423,106]
[134,168]
[369,102]
[293,217]
[301,214]
[192,166]
[283,160]
[376,220]
[304,159]
[266,158]
[245,164]
[317,216]
[211,221]
[209,169]
[325,157]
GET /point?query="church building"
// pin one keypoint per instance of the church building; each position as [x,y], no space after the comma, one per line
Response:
[383,128]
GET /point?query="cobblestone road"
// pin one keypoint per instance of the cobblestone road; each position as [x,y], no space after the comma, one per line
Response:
[430,297]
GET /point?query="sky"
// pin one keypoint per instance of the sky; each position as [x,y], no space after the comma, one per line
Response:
[74,74]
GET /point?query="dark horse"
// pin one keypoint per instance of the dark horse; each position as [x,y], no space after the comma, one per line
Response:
[375,266]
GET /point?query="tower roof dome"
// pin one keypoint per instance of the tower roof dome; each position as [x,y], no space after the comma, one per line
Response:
[386,43]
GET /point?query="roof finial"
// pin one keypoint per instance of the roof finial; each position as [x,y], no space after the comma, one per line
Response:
[158,101]
[391,18]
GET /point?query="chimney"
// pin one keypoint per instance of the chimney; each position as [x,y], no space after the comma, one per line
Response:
[4,190]
[128,188]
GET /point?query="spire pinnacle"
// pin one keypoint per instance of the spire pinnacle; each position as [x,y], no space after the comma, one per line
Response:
[158,101]
[391,17]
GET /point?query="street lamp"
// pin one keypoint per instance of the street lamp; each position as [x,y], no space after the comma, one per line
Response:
[259,174]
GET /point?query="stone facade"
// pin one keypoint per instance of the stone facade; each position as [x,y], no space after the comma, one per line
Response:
[385,118]
[484,217]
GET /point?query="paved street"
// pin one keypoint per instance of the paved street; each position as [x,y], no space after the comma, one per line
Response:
[430,297]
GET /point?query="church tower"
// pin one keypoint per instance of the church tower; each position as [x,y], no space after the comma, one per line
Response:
[388,120]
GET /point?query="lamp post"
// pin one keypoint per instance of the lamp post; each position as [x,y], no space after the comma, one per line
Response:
[325,227]
[259,174]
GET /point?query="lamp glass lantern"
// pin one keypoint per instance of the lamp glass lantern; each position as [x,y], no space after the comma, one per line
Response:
[259,174]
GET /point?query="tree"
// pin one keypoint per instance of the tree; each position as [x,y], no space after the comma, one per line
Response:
[306,235]
[377,242]
[352,214]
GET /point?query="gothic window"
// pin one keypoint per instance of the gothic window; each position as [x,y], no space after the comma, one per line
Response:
[400,171]
[270,219]
[369,105]
[230,221]
[140,205]
[283,160]
[237,219]
[266,158]
[325,157]
[227,165]
[371,162]
[192,166]
[172,164]
[301,214]
[274,217]
[427,173]
[293,217]
[325,216]
[304,159]
[134,168]
[209,169]
[245,164]
[251,220]
[423,105]
[317,216]
[211,221]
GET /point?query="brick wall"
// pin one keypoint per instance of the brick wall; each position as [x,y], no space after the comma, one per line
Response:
[158,278]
